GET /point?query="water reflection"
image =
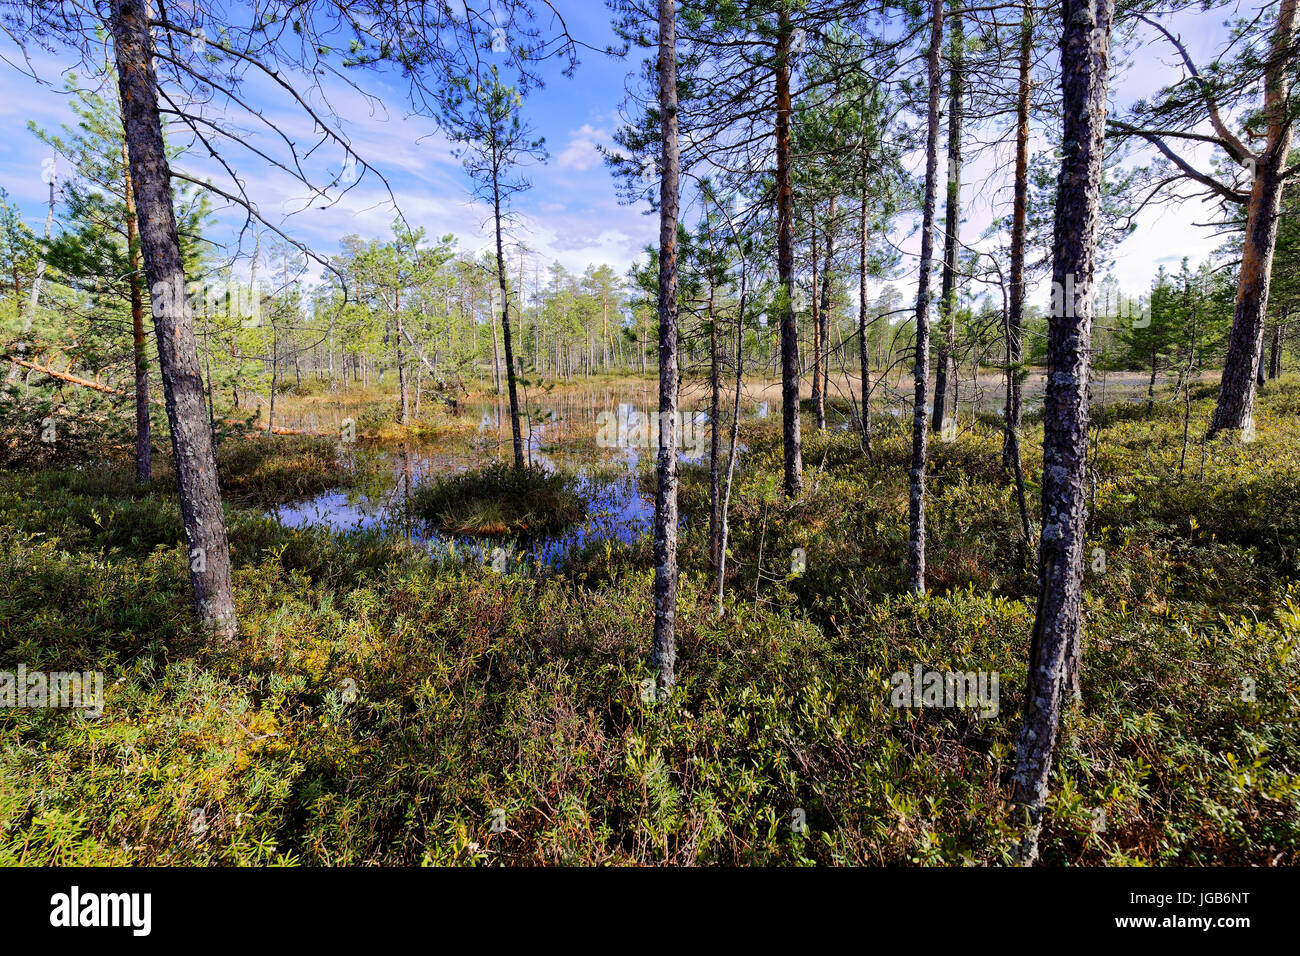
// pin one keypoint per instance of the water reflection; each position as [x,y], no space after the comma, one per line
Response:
[559,436]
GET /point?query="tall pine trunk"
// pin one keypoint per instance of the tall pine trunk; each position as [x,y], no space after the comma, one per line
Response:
[143,440]
[715,409]
[824,312]
[721,572]
[403,386]
[663,656]
[178,355]
[945,370]
[275,379]
[1058,628]
[818,399]
[1019,216]
[864,357]
[496,362]
[1235,409]
[785,259]
[921,367]
[516,435]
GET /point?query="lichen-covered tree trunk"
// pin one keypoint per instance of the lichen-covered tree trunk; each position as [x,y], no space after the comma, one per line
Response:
[1058,627]
[1019,216]
[1235,409]
[945,370]
[178,355]
[785,259]
[921,366]
[663,656]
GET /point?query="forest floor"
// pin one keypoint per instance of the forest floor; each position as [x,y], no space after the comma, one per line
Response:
[389,707]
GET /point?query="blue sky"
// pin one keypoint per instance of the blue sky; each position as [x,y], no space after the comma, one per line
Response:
[571,214]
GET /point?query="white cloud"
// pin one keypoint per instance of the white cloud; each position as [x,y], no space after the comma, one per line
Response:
[582,153]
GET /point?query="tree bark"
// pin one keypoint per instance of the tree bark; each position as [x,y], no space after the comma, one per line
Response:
[945,369]
[403,390]
[1275,349]
[1019,215]
[1235,409]
[516,435]
[663,656]
[715,409]
[785,260]
[645,340]
[735,433]
[143,440]
[275,378]
[1058,627]
[818,400]
[178,358]
[921,367]
[824,313]
[864,359]
[496,363]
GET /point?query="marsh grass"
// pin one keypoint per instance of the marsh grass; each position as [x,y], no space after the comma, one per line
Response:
[282,469]
[501,501]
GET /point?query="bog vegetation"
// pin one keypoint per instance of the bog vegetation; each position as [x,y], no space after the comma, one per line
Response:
[384,707]
[407,552]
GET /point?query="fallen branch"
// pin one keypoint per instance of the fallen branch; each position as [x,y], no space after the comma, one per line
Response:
[62,376]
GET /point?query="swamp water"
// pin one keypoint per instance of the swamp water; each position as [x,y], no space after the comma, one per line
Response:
[606,440]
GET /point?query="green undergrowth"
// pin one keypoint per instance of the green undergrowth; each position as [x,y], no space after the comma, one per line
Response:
[381,708]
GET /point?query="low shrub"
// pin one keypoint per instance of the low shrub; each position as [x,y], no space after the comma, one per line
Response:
[500,501]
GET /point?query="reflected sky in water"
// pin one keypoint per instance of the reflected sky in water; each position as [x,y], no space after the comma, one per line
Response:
[602,441]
